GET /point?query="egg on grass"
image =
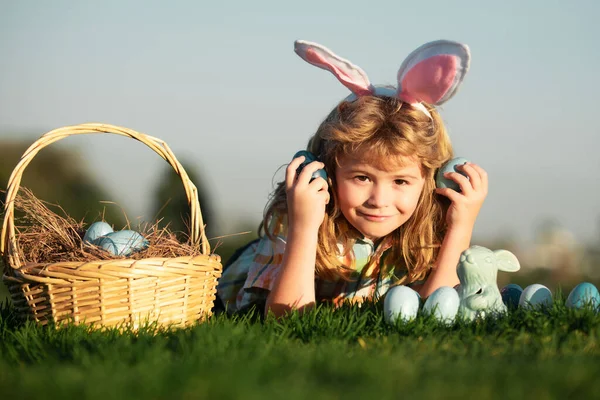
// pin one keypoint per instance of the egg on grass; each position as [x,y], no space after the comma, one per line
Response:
[535,295]
[584,295]
[511,294]
[443,303]
[401,302]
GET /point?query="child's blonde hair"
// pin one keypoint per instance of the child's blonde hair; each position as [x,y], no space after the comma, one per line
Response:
[377,130]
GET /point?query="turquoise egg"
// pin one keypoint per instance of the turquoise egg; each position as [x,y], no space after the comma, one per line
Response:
[308,158]
[535,295]
[450,166]
[401,302]
[122,243]
[96,230]
[511,294]
[319,173]
[443,303]
[584,295]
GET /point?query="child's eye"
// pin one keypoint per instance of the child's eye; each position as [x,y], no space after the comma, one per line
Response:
[401,182]
[361,178]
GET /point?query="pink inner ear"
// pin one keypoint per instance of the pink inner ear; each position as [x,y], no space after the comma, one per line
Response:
[430,79]
[356,87]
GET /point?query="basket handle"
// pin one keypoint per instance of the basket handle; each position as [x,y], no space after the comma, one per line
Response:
[8,240]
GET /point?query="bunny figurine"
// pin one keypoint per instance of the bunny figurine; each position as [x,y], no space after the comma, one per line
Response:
[477,271]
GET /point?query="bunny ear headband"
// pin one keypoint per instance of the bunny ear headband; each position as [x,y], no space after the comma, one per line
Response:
[431,74]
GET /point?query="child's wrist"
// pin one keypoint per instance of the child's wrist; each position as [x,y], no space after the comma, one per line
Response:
[463,226]
[302,233]
[459,233]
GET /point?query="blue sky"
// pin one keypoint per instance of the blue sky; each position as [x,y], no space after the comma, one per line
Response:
[220,83]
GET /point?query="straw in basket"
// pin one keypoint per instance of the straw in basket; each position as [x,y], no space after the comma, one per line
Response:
[170,291]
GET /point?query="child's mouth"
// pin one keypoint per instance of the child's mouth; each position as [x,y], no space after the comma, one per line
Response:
[374,218]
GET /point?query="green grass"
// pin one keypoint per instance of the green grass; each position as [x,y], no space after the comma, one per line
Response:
[325,354]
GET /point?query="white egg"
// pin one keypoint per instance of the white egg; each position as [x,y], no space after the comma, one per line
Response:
[583,295]
[536,295]
[122,243]
[400,302]
[97,230]
[443,303]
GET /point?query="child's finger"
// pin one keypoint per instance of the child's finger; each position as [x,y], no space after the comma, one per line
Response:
[309,170]
[320,184]
[472,174]
[324,194]
[451,194]
[290,171]
[462,181]
[483,176]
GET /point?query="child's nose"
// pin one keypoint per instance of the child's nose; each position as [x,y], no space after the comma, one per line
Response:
[380,196]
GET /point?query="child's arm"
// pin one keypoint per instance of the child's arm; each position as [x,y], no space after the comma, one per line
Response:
[294,287]
[460,219]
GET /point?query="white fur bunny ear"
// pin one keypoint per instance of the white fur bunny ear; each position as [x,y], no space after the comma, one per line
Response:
[433,72]
[347,73]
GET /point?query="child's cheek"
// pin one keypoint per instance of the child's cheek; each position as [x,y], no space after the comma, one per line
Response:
[409,198]
[345,193]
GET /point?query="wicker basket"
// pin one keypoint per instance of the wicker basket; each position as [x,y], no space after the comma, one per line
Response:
[119,292]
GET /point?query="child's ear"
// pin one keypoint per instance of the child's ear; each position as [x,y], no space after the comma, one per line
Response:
[507,261]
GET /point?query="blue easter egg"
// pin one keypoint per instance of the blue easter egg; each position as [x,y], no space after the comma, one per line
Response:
[450,166]
[584,295]
[511,295]
[319,173]
[535,295]
[107,244]
[122,243]
[96,230]
[400,302]
[308,158]
[443,303]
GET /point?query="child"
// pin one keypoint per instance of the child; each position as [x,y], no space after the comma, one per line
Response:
[378,220]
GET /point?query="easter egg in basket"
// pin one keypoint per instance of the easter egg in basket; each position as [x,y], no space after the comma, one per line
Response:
[97,230]
[122,243]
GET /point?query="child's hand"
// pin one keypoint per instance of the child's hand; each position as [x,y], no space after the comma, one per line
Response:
[465,204]
[306,200]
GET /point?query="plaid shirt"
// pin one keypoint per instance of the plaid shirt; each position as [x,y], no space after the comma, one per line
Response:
[250,278]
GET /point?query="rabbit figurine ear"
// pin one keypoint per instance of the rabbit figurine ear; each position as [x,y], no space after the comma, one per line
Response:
[507,261]
[347,73]
[433,72]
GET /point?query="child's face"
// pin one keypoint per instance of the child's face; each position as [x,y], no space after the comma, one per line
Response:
[377,201]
